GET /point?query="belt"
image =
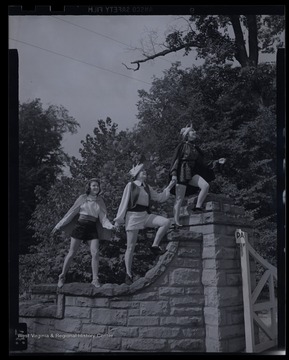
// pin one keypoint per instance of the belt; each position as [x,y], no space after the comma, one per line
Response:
[87,217]
[139,208]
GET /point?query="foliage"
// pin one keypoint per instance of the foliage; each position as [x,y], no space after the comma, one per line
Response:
[41,157]
[107,155]
[219,39]
[230,122]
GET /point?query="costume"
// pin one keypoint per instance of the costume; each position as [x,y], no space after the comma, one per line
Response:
[134,207]
[188,160]
[74,222]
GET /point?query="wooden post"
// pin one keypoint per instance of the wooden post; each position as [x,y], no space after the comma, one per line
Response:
[242,239]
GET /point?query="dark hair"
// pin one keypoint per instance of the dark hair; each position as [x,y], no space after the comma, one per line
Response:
[87,190]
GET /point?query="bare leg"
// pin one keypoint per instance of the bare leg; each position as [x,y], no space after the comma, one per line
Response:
[131,242]
[162,230]
[74,245]
[180,195]
[197,180]
[94,250]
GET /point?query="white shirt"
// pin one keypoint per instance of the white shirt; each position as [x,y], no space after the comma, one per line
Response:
[90,207]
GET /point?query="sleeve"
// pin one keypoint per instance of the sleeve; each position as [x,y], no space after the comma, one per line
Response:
[71,213]
[103,215]
[159,197]
[175,160]
[123,204]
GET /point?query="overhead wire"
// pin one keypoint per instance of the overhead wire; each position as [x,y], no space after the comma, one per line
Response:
[80,61]
[97,33]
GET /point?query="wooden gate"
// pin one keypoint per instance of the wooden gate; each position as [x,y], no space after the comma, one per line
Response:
[252,307]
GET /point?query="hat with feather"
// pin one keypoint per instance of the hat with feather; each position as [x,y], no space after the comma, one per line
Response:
[184,131]
[135,170]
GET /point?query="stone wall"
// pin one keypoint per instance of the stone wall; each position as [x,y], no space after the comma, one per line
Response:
[191,301]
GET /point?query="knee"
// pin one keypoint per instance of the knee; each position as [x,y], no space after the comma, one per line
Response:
[206,187]
[71,253]
[94,253]
[130,248]
[179,199]
[166,223]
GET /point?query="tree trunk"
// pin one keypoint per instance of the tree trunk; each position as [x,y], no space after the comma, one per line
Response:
[253,40]
[241,53]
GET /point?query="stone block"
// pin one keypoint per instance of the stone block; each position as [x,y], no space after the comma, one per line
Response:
[144,295]
[106,342]
[159,332]
[188,263]
[181,321]
[193,333]
[122,331]
[213,277]
[72,326]
[234,279]
[124,304]
[94,329]
[185,277]
[219,240]
[133,312]
[214,316]
[77,312]
[187,300]
[197,290]
[148,308]
[143,321]
[190,345]
[214,345]
[192,252]
[109,316]
[171,291]
[144,345]
[223,296]
[186,311]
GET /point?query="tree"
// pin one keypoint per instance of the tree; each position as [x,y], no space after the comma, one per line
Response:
[218,101]
[221,38]
[41,157]
[107,155]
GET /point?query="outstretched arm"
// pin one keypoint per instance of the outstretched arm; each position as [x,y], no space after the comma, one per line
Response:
[71,213]
[123,205]
[164,195]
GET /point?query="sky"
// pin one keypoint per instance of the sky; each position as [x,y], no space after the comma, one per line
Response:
[77,62]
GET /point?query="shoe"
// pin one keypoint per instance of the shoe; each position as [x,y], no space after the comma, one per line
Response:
[95,283]
[177,225]
[190,208]
[157,250]
[61,280]
[198,209]
[128,279]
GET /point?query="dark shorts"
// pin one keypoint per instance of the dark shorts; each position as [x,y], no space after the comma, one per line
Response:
[85,230]
[188,172]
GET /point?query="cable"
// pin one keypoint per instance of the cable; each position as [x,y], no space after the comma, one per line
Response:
[82,27]
[105,36]
[80,61]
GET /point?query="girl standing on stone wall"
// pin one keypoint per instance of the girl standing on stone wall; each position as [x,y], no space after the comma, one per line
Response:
[85,221]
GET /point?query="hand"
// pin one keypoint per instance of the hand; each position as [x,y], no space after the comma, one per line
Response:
[222,161]
[174,178]
[117,224]
[172,184]
[118,221]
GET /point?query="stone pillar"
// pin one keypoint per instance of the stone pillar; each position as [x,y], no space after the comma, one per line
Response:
[221,275]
